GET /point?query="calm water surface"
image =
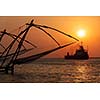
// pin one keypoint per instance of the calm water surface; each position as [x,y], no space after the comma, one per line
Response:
[56,71]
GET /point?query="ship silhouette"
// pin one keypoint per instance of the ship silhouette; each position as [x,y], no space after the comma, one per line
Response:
[80,54]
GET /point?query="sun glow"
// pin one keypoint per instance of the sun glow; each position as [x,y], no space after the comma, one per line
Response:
[81,33]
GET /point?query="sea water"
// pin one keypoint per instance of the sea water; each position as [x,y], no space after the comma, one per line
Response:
[55,70]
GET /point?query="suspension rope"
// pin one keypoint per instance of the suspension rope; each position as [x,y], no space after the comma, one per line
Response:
[19,28]
[26,41]
[22,36]
[9,34]
[7,50]
[37,56]
[44,26]
[48,35]
[11,62]
[2,46]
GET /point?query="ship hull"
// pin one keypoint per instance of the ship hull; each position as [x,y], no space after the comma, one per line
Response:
[79,57]
[76,58]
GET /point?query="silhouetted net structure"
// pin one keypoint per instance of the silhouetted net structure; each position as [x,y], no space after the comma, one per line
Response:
[10,54]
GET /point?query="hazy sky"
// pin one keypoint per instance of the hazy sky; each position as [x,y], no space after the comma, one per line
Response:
[66,24]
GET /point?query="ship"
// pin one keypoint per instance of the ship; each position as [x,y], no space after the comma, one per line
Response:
[80,54]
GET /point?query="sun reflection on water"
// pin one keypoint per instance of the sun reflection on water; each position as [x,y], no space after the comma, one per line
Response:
[82,73]
[82,69]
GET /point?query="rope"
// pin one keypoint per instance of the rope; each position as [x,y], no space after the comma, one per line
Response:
[49,35]
[19,28]
[44,26]
[37,56]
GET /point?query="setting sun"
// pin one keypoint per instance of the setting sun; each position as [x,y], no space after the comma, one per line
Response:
[81,33]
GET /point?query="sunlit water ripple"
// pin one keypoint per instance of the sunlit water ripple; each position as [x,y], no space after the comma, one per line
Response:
[56,70]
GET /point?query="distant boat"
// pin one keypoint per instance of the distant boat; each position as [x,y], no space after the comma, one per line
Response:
[80,54]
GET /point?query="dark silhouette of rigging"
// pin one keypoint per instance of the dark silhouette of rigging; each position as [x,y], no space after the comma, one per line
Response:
[8,64]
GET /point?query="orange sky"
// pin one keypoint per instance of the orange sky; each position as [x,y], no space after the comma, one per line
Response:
[66,24]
